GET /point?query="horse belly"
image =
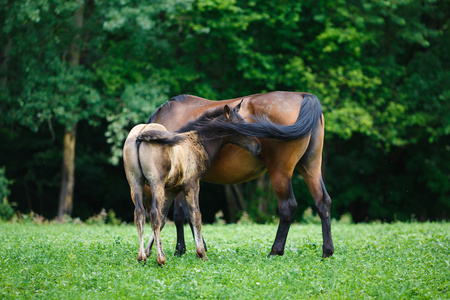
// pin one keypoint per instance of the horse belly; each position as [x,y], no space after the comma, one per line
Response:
[234,165]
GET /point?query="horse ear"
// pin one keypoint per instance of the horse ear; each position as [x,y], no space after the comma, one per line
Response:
[238,107]
[227,112]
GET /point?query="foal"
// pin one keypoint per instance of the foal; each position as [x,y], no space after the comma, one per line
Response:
[174,162]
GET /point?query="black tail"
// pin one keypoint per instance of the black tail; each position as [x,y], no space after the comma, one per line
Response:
[160,137]
[307,121]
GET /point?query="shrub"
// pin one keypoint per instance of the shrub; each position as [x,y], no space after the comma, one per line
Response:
[104,218]
[6,208]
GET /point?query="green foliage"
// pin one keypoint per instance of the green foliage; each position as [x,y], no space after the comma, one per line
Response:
[380,69]
[6,208]
[103,218]
[394,261]
[4,184]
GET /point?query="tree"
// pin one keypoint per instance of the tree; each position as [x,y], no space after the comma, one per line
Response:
[53,70]
[380,69]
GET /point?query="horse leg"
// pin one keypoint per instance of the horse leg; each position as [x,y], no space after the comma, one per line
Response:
[180,215]
[280,160]
[156,222]
[188,220]
[310,167]
[178,218]
[147,202]
[322,202]
[164,211]
[287,205]
[196,218]
[139,218]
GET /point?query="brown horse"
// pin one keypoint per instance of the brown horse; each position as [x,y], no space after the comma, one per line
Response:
[302,131]
[174,162]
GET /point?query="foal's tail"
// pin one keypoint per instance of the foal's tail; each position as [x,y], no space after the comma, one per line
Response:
[307,122]
[160,137]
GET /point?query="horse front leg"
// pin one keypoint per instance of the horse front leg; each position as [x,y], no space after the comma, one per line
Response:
[287,205]
[196,218]
[178,218]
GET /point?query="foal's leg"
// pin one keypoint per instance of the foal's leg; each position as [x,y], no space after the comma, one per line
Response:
[157,220]
[164,210]
[148,201]
[196,218]
[139,217]
[180,215]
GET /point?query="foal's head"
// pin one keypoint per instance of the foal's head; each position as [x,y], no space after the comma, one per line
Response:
[249,143]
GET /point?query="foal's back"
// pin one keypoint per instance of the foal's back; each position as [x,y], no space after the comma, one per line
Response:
[172,159]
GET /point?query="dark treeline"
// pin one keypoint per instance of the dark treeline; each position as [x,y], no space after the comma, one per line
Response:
[75,76]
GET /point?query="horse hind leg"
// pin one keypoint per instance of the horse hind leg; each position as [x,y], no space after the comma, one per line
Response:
[322,201]
[136,189]
[196,219]
[139,219]
[156,220]
[180,215]
[164,211]
[287,205]
[148,205]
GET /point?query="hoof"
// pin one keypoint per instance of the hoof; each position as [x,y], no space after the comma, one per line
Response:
[161,260]
[202,255]
[327,251]
[179,253]
[142,257]
[148,252]
[274,252]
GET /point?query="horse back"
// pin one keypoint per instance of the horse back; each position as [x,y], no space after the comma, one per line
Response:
[233,164]
[278,107]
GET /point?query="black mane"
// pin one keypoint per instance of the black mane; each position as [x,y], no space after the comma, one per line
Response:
[205,122]
[179,98]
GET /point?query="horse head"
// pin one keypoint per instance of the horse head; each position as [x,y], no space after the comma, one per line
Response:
[249,143]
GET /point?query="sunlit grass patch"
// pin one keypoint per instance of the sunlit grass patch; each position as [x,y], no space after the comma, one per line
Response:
[388,261]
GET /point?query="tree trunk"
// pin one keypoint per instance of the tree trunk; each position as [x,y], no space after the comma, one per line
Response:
[68,174]
[68,165]
[264,195]
[4,60]
[237,188]
[231,203]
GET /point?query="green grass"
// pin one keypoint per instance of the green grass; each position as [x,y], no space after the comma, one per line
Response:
[70,261]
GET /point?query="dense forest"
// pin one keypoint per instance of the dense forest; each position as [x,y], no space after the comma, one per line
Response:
[76,75]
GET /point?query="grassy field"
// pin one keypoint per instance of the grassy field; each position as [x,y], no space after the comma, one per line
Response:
[74,261]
